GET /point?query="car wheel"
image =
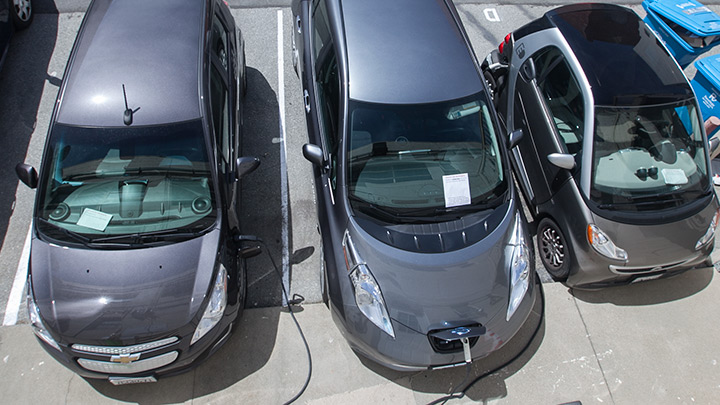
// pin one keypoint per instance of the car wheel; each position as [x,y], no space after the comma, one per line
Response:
[244,76]
[22,13]
[554,250]
[242,286]
[323,279]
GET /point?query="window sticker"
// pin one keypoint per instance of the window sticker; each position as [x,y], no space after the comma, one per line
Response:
[457,190]
[674,176]
[94,219]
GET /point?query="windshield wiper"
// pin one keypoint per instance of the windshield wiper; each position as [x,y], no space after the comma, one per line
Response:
[143,237]
[167,170]
[71,234]
[387,214]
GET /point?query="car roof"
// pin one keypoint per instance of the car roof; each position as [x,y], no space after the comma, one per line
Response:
[151,47]
[624,62]
[406,51]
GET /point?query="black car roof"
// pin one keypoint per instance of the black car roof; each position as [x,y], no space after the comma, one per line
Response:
[406,51]
[624,62]
[152,47]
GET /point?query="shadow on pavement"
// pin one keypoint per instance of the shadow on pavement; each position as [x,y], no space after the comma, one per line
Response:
[242,355]
[261,211]
[502,364]
[651,292]
[22,80]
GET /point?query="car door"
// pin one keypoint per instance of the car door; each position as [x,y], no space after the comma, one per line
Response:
[223,95]
[549,106]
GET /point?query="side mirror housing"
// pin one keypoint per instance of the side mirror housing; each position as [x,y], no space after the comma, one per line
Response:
[245,165]
[314,154]
[714,143]
[27,174]
[562,160]
[514,138]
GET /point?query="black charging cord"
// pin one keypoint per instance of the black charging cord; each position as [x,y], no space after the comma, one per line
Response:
[297,299]
[462,393]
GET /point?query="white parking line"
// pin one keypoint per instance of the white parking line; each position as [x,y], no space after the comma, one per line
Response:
[15,299]
[283,162]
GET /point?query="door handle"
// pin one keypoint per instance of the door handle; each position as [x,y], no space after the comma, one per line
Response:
[297,23]
[306,98]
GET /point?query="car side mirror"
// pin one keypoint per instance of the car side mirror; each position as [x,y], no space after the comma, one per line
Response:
[714,143]
[514,138]
[245,165]
[314,154]
[27,174]
[562,160]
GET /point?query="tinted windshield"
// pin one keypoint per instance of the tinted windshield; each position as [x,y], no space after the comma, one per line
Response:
[125,181]
[649,157]
[423,160]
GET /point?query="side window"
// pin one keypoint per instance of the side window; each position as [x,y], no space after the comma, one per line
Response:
[219,94]
[563,97]
[327,86]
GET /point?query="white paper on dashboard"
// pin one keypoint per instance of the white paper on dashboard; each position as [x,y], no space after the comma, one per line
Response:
[674,176]
[457,190]
[94,219]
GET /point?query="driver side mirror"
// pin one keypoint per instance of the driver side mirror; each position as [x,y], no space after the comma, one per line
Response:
[314,154]
[514,138]
[562,160]
[27,174]
[245,165]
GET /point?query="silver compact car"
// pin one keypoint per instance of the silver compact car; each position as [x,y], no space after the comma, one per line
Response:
[614,160]
[135,272]
[427,261]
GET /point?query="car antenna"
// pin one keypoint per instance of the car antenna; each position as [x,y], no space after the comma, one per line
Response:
[128,113]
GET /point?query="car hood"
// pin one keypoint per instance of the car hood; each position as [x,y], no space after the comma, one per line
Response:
[427,291]
[121,297]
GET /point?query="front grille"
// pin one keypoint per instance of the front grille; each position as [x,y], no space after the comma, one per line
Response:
[125,349]
[129,368]
[126,359]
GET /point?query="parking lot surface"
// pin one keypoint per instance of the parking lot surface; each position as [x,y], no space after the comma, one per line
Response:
[651,342]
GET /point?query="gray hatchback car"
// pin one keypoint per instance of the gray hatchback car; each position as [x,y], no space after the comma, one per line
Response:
[426,256]
[134,270]
[614,160]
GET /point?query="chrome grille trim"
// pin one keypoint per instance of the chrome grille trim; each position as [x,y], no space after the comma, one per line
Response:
[129,368]
[125,349]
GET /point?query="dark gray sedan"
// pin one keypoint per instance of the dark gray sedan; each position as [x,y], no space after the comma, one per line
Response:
[134,267]
[426,257]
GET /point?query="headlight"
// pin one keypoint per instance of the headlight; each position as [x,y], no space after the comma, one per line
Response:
[710,233]
[368,297]
[519,268]
[37,324]
[215,308]
[603,245]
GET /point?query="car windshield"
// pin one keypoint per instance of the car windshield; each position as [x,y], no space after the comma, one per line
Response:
[122,184]
[648,157]
[421,161]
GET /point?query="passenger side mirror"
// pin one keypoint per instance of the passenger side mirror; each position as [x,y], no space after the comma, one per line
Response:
[27,174]
[514,138]
[250,251]
[714,146]
[314,154]
[562,160]
[245,165]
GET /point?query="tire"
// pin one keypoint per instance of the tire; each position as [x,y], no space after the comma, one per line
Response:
[22,13]
[244,76]
[323,279]
[242,287]
[554,251]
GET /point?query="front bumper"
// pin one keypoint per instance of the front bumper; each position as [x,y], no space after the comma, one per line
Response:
[598,273]
[174,357]
[412,350]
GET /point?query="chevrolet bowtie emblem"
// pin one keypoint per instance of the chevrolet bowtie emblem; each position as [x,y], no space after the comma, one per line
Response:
[125,358]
